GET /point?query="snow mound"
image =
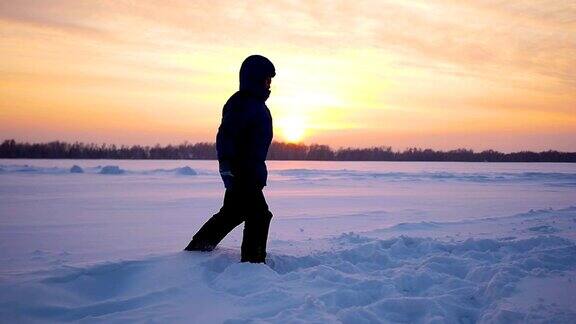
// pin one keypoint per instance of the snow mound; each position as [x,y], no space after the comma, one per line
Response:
[186,171]
[544,229]
[76,169]
[414,226]
[26,168]
[405,279]
[112,169]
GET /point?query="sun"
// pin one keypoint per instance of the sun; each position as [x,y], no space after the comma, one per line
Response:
[293,128]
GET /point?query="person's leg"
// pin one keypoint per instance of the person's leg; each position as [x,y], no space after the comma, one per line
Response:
[257,222]
[217,227]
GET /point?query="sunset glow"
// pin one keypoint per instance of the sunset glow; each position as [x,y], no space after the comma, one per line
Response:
[440,74]
[293,129]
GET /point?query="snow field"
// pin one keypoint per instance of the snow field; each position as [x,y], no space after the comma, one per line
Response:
[349,243]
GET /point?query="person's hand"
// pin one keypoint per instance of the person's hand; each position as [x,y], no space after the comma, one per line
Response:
[227,178]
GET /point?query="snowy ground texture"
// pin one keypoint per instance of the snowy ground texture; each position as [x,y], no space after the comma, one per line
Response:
[358,242]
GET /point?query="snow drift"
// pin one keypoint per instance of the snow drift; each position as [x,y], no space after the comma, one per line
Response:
[358,279]
[400,280]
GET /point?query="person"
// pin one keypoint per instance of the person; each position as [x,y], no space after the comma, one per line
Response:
[242,143]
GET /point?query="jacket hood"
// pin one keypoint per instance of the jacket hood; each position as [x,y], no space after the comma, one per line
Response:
[254,70]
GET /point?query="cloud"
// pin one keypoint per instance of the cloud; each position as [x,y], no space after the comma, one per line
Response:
[57,15]
[480,38]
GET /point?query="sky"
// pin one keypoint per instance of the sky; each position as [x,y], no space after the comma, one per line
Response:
[440,74]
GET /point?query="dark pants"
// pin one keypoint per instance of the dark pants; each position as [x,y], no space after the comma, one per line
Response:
[240,205]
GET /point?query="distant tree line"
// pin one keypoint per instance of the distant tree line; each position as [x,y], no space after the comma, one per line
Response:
[278,151]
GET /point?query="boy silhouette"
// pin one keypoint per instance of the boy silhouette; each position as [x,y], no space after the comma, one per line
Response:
[242,143]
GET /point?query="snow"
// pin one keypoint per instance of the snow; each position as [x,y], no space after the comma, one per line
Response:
[76,169]
[186,171]
[351,242]
[111,169]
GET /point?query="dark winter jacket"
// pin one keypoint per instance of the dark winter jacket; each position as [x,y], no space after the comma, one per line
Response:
[245,132]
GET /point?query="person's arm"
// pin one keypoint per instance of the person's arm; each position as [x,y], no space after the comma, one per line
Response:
[234,123]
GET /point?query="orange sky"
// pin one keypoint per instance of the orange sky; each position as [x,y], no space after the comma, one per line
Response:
[438,73]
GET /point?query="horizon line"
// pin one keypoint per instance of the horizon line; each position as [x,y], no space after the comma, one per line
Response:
[334,149]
